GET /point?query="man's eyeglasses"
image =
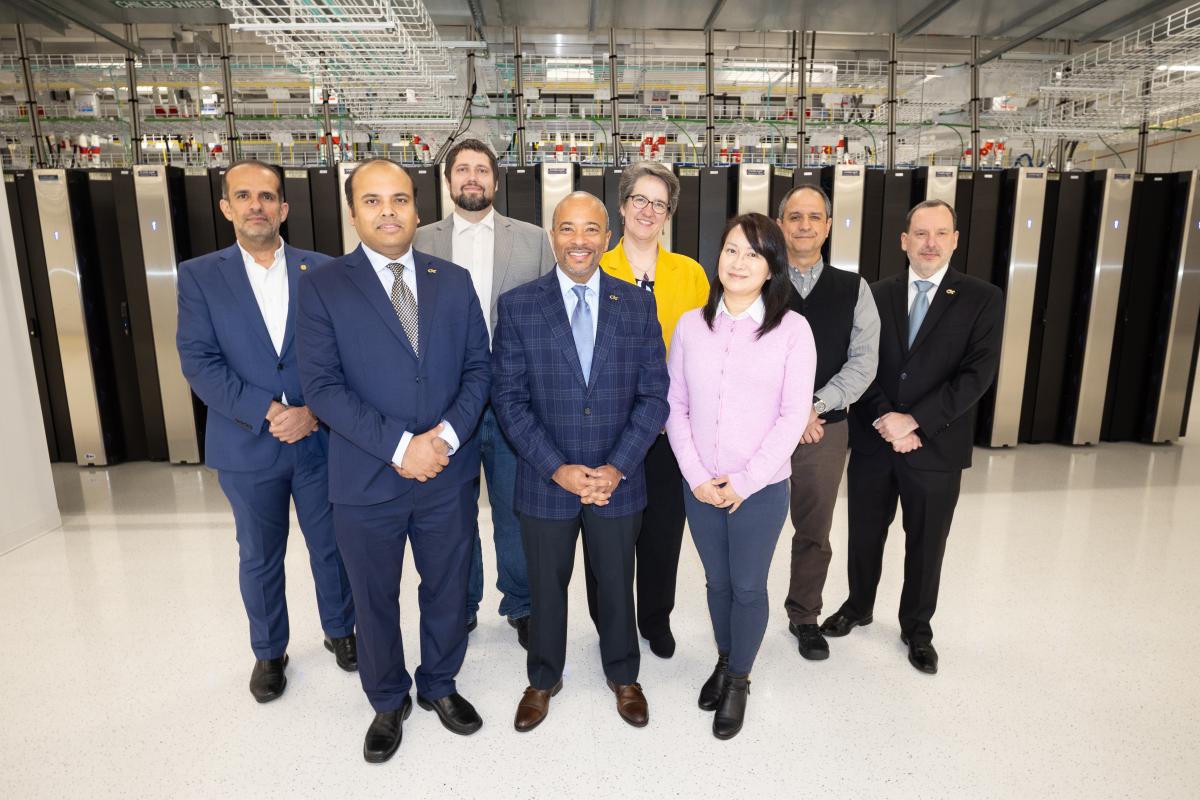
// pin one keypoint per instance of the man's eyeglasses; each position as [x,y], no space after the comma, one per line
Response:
[640,201]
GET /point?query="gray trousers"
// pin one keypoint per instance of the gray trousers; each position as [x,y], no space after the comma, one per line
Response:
[816,474]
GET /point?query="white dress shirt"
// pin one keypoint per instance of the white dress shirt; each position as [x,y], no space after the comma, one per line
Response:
[570,299]
[935,279]
[387,278]
[756,311]
[270,287]
[473,249]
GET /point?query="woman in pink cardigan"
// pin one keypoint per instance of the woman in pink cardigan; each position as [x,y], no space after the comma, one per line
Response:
[741,392]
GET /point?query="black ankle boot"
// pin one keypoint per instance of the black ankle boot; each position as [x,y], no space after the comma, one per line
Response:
[732,709]
[710,692]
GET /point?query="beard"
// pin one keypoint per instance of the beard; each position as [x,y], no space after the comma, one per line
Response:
[472,202]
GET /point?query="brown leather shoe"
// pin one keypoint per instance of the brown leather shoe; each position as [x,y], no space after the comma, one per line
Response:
[631,703]
[534,706]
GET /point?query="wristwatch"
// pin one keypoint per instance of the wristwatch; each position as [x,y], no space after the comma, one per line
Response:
[819,405]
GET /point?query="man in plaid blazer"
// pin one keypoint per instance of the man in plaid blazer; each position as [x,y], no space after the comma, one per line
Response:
[580,388]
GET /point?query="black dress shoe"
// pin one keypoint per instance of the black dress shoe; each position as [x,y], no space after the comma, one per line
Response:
[921,655]
[472,624]
[345,649]
[839,624]
[385,733]
[710,692]
[455,712]
[662,645]
[812,644]
[522,626]
[731,711]
[267,681]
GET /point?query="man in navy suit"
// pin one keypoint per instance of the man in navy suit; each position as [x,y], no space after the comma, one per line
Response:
[580,388]
[394,358]
[236,345]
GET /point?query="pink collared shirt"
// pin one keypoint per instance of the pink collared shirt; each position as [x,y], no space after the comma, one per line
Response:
[739,405]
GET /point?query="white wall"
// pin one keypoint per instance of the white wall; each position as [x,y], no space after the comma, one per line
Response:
[28,505]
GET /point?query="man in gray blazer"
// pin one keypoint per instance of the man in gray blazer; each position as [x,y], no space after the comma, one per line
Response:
[501,254]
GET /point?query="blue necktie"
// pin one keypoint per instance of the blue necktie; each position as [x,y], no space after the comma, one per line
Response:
[581,330]
[920,307]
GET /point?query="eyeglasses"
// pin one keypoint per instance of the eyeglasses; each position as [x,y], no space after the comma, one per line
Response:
[640,201]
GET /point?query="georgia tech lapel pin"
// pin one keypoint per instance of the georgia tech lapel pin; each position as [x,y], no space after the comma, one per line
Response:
[431,271]
[613,297]
[951,292]
[303,267]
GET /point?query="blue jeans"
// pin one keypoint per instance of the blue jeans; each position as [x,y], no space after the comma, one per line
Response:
[512,575]
[736,550]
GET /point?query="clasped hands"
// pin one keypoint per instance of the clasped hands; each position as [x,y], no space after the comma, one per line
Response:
[593,485]
[899,430]
[290,424]
[427,455]
[719,492]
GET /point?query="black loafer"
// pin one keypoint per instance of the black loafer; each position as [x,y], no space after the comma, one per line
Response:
[456,714]
[662,645]
[385,733]
[922,656]
[472,624]
[345,649]
[267,680]
[813,646]
[839,624]
[522,626]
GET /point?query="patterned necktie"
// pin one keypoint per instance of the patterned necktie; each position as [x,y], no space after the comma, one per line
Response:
[405,303]
[920,307]
[581,330]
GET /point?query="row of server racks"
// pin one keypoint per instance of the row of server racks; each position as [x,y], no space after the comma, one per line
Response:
[1100,273]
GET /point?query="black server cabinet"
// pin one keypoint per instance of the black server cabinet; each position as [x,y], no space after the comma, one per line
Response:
[685,226]
[591,180]
[984,226]
[197,210]
[899,197]
[428,192]
[964,196]
[33,322]
[718,202]
[224,228]
[524,194]
[612,193]
[297,229]
[781,184]
[874,181]
[500,203]
[326,210]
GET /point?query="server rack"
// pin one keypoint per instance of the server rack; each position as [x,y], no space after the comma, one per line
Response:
[977,255]
[224,228]
[349,236]
[716,207]
[781,184]
[33,319]
[754,189]
[872,214]
[428,195]
[685,225]
[845,238]
[936,183]
[899,196]
[524,199]
[297,229]
[557,181]
[964,200]
[328,197]
[199,208]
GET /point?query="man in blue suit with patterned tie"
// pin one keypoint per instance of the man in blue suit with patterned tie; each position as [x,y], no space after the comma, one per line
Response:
[394,358]
[236,339]
[580,388]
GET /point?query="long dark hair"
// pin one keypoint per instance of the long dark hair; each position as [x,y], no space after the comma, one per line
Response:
[767,240]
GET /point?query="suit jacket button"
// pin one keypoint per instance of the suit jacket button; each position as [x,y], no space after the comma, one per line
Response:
[418,379]
[279,366]
[587,412]
[903,376]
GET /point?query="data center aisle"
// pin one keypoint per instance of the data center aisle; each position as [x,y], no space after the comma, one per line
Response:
[1066,634]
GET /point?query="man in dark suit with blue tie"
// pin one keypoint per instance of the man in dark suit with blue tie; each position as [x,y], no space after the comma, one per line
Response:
[580,388]
[236,339]
[394,358]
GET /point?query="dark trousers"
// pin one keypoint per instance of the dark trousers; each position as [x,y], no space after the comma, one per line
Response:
[550,554]
[816,474]
[438,522]
[927,500]
[261,503]
[658,543]
[736,550]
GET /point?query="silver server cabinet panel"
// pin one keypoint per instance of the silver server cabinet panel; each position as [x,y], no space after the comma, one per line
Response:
[350,238]
[558,181]
[1185,310]
[1102,313]
[444,188]
[66,295]
[942,184]
[158,252]
[1018,304]
[754,189]
[845,240]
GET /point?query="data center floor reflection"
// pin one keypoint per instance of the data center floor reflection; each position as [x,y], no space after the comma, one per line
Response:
[1066,632]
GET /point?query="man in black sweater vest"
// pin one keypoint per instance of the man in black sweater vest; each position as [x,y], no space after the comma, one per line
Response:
[845,324]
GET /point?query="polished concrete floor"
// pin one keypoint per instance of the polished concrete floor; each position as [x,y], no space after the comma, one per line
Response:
[1067,632]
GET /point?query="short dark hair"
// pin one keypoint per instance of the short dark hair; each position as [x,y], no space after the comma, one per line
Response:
[805,187]
[930,204]
[252,162]
[478,147]
[767,240]
[360,165]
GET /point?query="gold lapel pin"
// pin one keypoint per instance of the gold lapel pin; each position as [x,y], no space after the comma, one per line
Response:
[431,271]
[303,267]
[951,292]
[613,297]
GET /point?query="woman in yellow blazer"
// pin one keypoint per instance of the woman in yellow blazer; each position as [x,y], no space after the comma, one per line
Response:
[649,196]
